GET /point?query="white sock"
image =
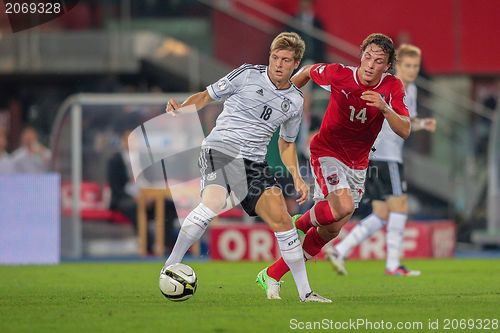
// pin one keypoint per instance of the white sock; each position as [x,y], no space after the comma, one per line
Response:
[364,229]
[192,229]
[292,254]
[395,229]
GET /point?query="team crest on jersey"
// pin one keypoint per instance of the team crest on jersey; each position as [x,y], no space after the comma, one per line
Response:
[285,105]
[222,84]
[211,176]
[333,179]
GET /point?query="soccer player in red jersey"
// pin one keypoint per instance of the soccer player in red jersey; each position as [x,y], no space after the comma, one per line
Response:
[386,189]
[361,99]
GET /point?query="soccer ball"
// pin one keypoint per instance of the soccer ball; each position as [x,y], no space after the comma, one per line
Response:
[178,282]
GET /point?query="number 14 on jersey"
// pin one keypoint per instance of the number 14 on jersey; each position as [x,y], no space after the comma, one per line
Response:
[361,115]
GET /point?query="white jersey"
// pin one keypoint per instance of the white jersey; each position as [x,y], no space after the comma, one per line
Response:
[389,145]
[253,110]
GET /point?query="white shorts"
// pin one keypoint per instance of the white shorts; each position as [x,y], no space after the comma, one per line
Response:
[330,175]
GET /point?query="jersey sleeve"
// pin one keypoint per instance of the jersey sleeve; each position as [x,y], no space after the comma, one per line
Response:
[289,130]
[398,103]
[324,74]
[229,84]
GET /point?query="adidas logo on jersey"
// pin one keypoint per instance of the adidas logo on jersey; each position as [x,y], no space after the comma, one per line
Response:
[260,92]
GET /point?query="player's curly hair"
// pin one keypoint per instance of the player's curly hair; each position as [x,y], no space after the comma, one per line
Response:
[385,44]
[289,41]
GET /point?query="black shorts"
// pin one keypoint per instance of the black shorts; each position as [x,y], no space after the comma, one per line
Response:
[384,179]
[285,181]
[243,178]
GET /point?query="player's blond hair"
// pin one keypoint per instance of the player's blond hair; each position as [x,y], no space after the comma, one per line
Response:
[408,50]
[289,41]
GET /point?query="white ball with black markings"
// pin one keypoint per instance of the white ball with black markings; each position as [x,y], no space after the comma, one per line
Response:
[178,282]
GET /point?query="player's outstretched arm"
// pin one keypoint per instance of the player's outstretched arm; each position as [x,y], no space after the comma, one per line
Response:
[303,76]
[288,154]
[199,100]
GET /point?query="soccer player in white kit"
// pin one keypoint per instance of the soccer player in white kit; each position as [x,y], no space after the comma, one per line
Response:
[386,185]
[258,100]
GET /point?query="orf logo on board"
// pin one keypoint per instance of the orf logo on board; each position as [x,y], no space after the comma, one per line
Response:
[333,179]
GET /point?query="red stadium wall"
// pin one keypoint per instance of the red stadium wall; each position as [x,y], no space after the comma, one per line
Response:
[235,242]
[456,36]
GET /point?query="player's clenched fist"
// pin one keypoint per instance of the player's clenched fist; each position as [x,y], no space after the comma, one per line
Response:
[172,106]
[429,124]
[374,99]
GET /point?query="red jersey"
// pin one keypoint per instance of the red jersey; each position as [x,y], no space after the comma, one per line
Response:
[350,127]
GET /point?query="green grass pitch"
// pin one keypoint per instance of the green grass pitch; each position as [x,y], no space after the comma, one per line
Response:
[124,297]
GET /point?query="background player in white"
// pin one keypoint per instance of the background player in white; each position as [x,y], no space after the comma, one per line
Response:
[258,100]
[386,186]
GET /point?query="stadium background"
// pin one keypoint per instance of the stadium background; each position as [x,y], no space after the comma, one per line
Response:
[82,78]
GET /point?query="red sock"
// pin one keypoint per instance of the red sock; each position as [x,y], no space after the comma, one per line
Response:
[312,245]
[323,215]
[278,269]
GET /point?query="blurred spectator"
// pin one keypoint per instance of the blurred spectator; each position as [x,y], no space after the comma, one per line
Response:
[6,162]
[122,185]
[306,18]
[32,156]
[124,192]
[481,126]
[491,101]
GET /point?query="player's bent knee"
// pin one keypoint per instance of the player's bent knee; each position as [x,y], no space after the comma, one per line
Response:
[384,216]
[398,204]
[343,211]
[215,203]
[381,210]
